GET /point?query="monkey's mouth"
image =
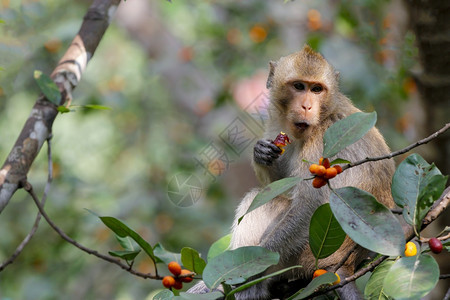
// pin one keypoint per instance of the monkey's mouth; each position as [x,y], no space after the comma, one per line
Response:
[301,125]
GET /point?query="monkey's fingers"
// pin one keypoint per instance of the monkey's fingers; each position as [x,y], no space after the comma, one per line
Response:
[265,152]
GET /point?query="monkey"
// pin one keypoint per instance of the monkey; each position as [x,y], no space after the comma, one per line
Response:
[304,102]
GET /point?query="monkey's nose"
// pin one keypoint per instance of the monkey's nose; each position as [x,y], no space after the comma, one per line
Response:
[301,125]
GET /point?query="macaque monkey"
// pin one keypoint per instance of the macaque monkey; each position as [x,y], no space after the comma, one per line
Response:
[304,101]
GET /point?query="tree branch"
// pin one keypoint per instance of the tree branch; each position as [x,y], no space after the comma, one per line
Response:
[401,151]
[27,186]
[66,75]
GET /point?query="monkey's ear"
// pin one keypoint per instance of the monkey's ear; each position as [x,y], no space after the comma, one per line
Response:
[272,66]
[337,75]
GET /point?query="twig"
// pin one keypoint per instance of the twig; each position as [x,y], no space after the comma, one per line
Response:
[27,239]
[441,238]
[401,151]
[444,276]
[29,189]
[344,259]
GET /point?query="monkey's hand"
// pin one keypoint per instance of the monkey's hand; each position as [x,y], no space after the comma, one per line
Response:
[265,152]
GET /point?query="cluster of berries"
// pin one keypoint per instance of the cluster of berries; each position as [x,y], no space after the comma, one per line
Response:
[323,172]
[177,280]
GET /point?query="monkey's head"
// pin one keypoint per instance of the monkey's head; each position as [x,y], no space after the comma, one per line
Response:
[302,86]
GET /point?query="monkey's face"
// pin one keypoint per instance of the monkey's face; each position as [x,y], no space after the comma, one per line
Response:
[302,106]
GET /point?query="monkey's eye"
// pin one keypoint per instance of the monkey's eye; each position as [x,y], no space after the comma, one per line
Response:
[317,89]
[299,86]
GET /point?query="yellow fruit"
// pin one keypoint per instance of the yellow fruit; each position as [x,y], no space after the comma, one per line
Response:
[319,272]
[313,168]
[321,170]
[410,249]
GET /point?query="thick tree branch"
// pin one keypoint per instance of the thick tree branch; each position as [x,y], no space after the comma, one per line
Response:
[66,75]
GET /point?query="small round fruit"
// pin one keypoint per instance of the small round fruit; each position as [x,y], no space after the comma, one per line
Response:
[168,281]
[313,168]
[319,272]
[330,173]
[185,279]
[338,169]
[324,162]
[435,245]
[178,285]
[410,249]
[174,268]
[321,170]
[338,279]
[319,182]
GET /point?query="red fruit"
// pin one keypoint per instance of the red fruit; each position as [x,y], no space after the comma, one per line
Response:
[185,279]
[319,182]
[324,162]
[168,281]
[435,245]
[281,140]
[338,169]
[178,285]
[330,173]
[174,268]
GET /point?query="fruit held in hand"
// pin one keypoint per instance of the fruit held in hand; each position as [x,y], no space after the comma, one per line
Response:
[410,249]
[281,141]
[174,268]
[319,272]
[168,281]
[435,245]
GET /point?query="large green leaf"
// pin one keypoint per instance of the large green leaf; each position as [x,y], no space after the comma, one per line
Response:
[411,277]
[123,230]
[325,233]
[47,87]
[127,243]
[347,131]
[166,256]
[374,289]
[367,222]
[271,191]
[326,278]
[207,296]
[415,186]
[192,261]
[235,266]
[219,246]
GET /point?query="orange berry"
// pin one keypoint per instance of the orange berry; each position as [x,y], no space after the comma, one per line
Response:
[330,173]
[319,182]
[326,163]
[168,281]
[319,272]
[174,268]
[185,279]
[338,279]
[313,168]
[410,249]
[338,168]
[178,285]
[321,171]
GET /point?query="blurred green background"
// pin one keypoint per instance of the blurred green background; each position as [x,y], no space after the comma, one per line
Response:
[176,76]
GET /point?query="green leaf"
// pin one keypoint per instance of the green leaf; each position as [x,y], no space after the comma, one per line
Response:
[367,222]
[235,266]
[326,278]
[271,191]
[414,187]
[62,109]
[325,233]
[166,256]
[375,286]
[127,243]
[412,277]
[123,230]
[207,296]
[258,280]
[126,255]
[95,106]
[219,246]
[47,87]
[192,261]
[347,131]
[164,295]
[339,161]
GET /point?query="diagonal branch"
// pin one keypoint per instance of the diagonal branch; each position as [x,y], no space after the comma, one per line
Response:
[67,74]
